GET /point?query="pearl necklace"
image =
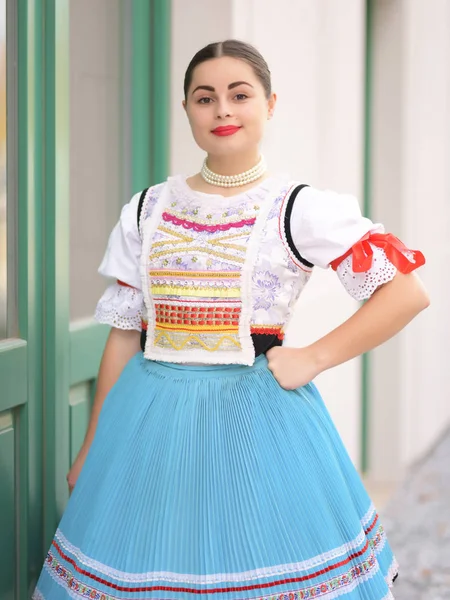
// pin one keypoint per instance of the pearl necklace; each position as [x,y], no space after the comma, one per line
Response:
[234,180]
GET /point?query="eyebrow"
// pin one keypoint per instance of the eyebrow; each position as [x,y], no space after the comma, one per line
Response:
[209,88]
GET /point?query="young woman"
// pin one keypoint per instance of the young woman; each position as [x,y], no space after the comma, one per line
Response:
[211,467]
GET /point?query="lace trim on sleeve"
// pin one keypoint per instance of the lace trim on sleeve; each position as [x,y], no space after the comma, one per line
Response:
[362,285]
[121,307]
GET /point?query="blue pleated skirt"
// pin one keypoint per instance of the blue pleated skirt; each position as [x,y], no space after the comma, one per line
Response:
[214,482]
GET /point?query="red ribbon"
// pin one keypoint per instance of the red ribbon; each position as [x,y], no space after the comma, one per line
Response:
[362,253]
[122,283]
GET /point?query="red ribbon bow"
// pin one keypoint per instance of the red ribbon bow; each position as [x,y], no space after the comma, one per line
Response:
[362,253]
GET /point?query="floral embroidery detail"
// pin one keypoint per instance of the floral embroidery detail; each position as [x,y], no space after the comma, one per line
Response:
[228,236]
[266,286]
[275,210]
[204,250]
[209,341]
[61,573]
[201,227]
[349,579]
[150,200]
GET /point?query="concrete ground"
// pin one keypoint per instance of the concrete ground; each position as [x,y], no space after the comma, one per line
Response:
[417,522]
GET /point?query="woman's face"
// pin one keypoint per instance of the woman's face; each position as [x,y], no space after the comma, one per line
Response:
[227,107]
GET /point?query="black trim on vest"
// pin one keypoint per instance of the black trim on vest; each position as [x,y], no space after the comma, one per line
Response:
[139,208]
[287,226]
[143,339]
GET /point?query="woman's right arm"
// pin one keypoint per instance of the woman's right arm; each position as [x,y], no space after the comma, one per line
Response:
[121,307]
[120,347]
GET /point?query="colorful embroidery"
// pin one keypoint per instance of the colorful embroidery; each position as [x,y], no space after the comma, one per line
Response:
[181,285]
[255,329]
[348,580]
[215,251]
[189,249]
[183,239]
[334,586]
[211,342]
[378,540]
[171,289]
[208,324]
[64,576]
[269,330]
[197,304]
[281,570]
[196,226]
[198,317]
[207,275]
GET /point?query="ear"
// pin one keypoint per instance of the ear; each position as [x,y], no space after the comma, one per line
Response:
[184,104]
[271,105]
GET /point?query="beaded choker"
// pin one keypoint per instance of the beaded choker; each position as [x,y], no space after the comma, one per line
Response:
[234,180]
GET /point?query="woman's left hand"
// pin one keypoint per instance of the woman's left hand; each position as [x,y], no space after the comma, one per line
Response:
[292,367]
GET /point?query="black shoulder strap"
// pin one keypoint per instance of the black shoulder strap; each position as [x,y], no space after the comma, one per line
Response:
[287,225]
[139,209]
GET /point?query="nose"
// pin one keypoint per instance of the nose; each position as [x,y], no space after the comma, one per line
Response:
[223,110]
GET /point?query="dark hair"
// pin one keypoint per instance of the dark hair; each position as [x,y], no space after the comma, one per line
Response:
[234,49]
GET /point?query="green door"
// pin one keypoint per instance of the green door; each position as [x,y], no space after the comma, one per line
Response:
[20,312]
[33,359]
[50,347]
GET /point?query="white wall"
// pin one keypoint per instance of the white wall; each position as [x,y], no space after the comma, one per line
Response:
[97,165]
[411,190]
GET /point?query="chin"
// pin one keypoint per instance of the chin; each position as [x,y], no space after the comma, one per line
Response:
[225,147]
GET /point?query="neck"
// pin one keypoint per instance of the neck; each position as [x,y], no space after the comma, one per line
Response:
[232,165]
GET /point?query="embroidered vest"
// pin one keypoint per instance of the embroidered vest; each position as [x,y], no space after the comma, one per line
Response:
[216,273]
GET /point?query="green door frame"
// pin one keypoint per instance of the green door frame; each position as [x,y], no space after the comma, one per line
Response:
[43,258]
[49,356]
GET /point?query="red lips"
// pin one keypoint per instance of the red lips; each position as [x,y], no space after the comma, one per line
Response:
[225,130]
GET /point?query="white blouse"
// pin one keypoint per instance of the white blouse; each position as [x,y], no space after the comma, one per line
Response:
[324,225]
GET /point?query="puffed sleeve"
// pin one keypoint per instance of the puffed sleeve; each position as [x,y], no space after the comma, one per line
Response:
[328,229]
[122,303]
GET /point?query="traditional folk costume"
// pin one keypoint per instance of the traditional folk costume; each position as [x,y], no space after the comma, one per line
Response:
[205,478]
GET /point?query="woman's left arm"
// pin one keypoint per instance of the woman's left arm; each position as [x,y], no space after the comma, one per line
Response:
[386,313]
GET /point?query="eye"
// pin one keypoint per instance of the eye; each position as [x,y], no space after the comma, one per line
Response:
[241,96]
[204,100]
